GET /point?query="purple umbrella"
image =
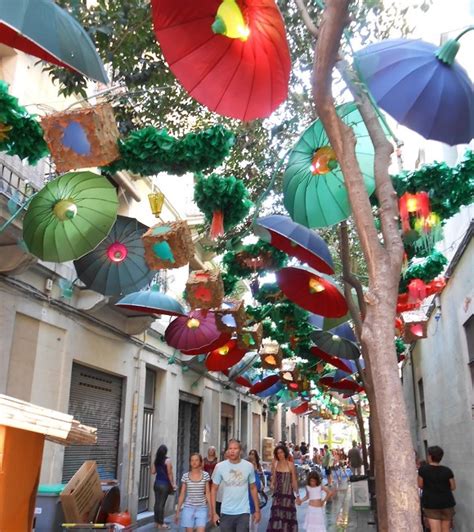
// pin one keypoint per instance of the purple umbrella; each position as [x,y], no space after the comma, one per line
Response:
[421,86]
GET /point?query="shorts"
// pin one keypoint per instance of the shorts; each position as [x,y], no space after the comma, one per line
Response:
[443,514]
[194,516]
[328,471]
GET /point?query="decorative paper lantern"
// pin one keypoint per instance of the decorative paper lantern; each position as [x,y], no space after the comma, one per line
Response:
[231,315]
[416,205]
[416,290]
[156,199]
[415,326]
[82,138]
[290,376]
[204,289]
[251,337]
[270,355]
[168,245]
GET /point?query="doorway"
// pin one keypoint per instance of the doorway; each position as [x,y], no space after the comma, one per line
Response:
[146,457]
[227,425]
[188,431]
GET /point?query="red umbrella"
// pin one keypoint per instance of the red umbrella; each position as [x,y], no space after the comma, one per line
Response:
[334,361]
[241,71]
[301,409]
[346,385]
[311,292]
[241,381]
[262,385]
[224,357]
[195,334]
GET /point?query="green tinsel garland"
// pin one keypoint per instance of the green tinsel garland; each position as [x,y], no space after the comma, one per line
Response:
[149,151]
[225,194]
[230,282]
[25,138]
[427,270]
[234,265]
[400,346]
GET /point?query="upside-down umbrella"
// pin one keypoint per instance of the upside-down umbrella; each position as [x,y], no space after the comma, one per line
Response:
[195,334]
[340,363]
[295,240]
[230,56]
[117,265]
[324,323]
[224,357]
[339,342]
[301,408]
[69,216]
[314,192]
[421,86]
[311,292]
[244,365]
[152,301]
[241,381]
[264,384]
[345,385]
[272,390]
[47,31]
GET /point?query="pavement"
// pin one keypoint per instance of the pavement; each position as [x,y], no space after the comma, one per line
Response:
[340,516]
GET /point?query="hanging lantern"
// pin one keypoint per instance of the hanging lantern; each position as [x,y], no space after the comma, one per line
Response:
[415,326]
[416,290]
[251,337]
[398,326]
[416,205]
[82,138]
[270,355]
[156,199]
[204,289]
[168,245]
[231,316]
[289,373]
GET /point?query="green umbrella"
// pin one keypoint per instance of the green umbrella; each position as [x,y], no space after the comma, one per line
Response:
[314,192]
[45,30]
[70,216]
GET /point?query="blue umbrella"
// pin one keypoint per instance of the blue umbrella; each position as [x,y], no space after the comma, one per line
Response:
[152,301]
[275,388]
[295,240]
[421,86]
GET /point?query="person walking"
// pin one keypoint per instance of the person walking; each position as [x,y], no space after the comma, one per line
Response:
[236,475]
[284,485]
[315,519]
[210,461]
[355,459]
[327,463]
[164,484]
[194,498]
[437,484]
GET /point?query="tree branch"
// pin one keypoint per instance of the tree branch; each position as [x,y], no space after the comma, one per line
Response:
[311,27]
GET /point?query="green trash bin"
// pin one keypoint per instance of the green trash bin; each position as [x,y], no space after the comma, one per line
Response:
[48,510]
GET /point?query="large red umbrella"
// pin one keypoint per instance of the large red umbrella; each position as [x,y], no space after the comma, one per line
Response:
[301,408]
[224,357]
[195,334]
[311,292]
[242,72]
[344,385]
[334,361]
[241,381]
[265,383]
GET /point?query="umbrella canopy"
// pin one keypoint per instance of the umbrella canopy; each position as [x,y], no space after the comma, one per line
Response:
[241,381]
[314,192]
[343,364]
[264,384]
[348,386]
[301,408]
[339,342]
[272,390]
[242,74]
[321,322]
[195,334]
[244,365]
[295,240]
[152,301]
[224,357]
[70,216]
[428,93]
[45,30]
[117,265]
[311,292]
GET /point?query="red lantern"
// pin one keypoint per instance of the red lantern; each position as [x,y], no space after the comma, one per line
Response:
[416,291]
[417,205]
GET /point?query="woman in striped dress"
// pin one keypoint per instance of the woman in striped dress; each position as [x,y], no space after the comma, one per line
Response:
[194,497]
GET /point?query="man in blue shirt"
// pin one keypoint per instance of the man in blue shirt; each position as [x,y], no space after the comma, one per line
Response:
[236,476]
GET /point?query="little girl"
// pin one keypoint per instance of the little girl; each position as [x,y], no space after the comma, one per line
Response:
[315,518]
[195,495]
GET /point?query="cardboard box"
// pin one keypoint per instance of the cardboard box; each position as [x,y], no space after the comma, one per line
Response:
[82,494]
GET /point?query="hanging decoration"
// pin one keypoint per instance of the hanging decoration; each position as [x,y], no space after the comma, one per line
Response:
[156,200]
[427,269]
[270,355]
[254,258]
[406,303]
[243,367]
[263,384]
[339,342]
[232,57]
[149,151]
[168,245]
[20,132]
[250,337]
[224,201]
[225,357]
[302,408]
[152,301]
[414,205]
[314,192]
[82,138]
[70,216]
[415,326]
[231,316]
[204,289]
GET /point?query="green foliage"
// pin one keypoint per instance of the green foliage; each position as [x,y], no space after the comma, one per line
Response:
[25,138]
[400,346]
[230,282]
[427,270]
[149,151]
[225,194]
[267,293]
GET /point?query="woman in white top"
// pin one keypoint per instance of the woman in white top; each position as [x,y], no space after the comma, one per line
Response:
[315,519]
[194,497]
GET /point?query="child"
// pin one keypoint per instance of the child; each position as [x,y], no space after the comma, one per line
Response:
[195,495]
[315,518]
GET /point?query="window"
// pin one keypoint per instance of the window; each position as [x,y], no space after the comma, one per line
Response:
[469,331]
[421,399]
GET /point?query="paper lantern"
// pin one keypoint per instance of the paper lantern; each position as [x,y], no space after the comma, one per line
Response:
[416,291]
[168,245]
[415,326]
[204,289]
[231,315]
[290,376]
[82,138]
[270,355]
[251,337]
[156,200]
[416,205]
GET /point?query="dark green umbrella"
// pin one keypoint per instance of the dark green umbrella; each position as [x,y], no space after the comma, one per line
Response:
[339,342]
[314,192]
[45,30]
[70,216]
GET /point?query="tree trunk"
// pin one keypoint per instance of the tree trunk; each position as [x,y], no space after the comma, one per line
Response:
[384,265]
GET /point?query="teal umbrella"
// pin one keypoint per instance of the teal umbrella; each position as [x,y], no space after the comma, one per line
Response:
[45,30]
[70,216]
[314,192]
[152,301]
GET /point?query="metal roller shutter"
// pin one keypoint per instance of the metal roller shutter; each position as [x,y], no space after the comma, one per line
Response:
[95,400]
